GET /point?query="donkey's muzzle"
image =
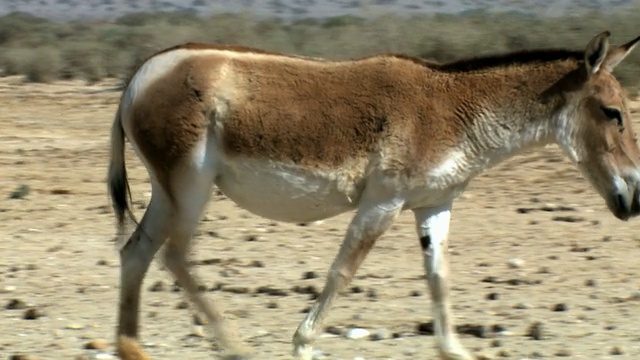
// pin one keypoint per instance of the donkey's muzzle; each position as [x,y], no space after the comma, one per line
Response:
[626,205]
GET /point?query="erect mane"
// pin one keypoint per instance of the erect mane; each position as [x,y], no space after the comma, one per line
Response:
[500,60]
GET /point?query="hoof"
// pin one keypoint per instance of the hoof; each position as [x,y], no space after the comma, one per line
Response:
[129,349]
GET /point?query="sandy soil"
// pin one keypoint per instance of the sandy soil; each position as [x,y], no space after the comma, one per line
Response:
[57,256]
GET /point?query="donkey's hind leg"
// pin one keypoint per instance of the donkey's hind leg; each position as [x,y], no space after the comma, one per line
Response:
[193,192]
[135,257]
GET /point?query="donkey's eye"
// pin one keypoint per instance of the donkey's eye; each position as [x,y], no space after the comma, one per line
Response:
[613,114]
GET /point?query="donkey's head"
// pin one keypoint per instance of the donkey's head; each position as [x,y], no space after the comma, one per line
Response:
[596,127]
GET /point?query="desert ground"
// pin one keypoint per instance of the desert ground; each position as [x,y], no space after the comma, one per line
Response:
[531,243]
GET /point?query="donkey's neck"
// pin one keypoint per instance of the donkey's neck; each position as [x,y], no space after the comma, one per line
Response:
[512,118]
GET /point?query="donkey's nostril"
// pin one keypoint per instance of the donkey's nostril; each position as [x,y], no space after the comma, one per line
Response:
[622,203]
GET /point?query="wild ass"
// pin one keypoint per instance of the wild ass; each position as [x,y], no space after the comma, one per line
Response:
[298,139]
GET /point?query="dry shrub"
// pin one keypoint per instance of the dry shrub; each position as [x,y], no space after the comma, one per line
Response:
[92,50]
[37,65]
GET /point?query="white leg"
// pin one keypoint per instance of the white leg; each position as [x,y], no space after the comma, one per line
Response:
[371,220]
[192,194]
[433,229]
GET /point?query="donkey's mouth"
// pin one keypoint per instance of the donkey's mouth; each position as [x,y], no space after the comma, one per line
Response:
[625,207]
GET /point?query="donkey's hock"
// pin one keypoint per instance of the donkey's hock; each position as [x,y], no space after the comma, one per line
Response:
[301,139]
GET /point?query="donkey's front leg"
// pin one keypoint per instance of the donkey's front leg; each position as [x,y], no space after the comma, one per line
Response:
[433,229]
[373,217]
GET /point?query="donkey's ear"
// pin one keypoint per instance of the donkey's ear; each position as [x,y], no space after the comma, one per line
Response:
[615,56]
[596,52]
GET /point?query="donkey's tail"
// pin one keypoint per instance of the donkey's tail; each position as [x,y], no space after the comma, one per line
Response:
[117,177]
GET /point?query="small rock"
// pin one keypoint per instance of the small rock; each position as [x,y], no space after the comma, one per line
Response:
[372,294]
[380,334]
[536,331]
[503,353]
[236,289]
[309,275]
[158,286]
[560,307]
[334,330]
[23,357]
[498,328]
[569,219]
[493,296]
[256,264]
[32,314]
[74,326]
[478,331]
[590,282]
[563,352]
[8,289]
[415,293]
[104,356]
[198,331]
[102,262]
[522,306]
[357,290]
[272,305]
[356,333]
[97,344]
[425,328]
[616,350]
[490,279]
[515,263]
[182,305]
[268,290]
[15,304]
[496,343]
[254,238]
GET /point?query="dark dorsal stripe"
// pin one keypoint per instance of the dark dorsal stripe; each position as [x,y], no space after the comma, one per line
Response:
[498,60]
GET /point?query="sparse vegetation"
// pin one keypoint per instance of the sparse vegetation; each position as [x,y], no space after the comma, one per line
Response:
[44,50]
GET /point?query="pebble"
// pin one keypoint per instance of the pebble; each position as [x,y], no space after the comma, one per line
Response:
[616,350]
[493,296]
[74,326]
[309,275]
[8,289]
[522,306]
[158,286]
[536,331]
[32,314]
[515,263]
[15,304]
[560,307]
[182,305]
[563,353]
[104,356]
[334,330]
[97,344]
[198,331]
[356,333]
[23,357]
[425,328]
[380,334]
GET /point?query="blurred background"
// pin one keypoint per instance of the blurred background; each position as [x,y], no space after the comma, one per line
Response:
[93,39]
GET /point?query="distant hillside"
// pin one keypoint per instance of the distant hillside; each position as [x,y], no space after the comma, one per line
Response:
[62,10]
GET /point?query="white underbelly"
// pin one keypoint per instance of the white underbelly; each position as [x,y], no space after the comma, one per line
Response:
[285,192]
